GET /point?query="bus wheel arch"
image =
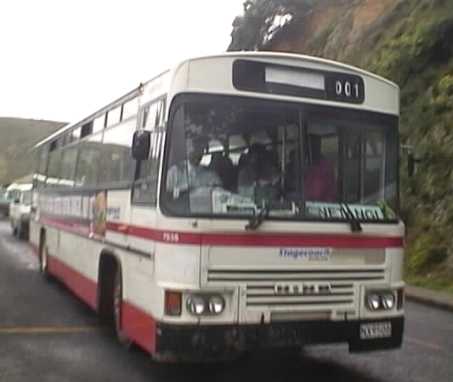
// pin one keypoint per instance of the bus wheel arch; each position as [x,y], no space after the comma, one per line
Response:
[110,294]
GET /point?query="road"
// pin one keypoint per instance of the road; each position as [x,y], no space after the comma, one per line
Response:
[46,334]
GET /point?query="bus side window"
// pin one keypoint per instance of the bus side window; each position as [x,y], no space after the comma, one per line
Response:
[129,109]
[117,164]
[89,153]
[67,166]
[53,168]
[39,178]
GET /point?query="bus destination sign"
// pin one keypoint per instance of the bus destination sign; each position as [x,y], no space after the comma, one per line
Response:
[345,88]
[298,82]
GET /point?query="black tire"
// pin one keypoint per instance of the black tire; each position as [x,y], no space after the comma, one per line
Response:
[43,257]
[21,232]
[117,301]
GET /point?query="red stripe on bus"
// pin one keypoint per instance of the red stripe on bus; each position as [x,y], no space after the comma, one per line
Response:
[139,326]
[245,240]
[260,240]
[67,225]
[155,235]
[82,286]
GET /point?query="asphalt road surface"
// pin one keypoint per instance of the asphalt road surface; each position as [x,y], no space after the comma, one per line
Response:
[46,334]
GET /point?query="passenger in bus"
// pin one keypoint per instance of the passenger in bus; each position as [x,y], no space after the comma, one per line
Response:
[190,174]
[224,168]
[319,174]
[319,179]
[258,176]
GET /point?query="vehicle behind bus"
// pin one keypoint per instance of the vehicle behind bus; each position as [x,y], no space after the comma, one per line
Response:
[4,202]
[19,196]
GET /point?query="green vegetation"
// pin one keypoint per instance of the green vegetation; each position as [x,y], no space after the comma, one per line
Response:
[417,53]
[411,44]
[260,21]
[18,136]
[437,279]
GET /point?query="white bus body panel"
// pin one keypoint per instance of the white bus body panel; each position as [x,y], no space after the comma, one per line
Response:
[214,75]
[154,260]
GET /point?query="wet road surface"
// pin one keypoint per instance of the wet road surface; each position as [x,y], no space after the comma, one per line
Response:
[46,334]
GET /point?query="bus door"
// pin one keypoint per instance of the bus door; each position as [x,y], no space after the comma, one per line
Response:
[143,215]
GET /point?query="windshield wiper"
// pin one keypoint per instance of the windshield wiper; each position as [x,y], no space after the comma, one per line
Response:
[256,220]
[353,221]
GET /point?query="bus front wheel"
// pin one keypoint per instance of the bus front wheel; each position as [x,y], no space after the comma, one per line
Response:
[43,257]
[118,308]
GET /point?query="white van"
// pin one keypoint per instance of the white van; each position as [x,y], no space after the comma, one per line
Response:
[20,208]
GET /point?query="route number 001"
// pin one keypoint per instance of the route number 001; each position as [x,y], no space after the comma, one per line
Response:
[347,89]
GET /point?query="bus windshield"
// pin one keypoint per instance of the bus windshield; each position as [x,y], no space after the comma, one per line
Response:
[236,157]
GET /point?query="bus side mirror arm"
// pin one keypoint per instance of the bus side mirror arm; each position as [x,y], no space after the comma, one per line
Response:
[410,165]
[141,143]
[412,162]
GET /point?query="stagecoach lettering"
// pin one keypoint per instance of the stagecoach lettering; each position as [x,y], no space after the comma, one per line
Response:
[308,254]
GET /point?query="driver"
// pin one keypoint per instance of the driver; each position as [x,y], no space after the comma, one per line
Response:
[189,173]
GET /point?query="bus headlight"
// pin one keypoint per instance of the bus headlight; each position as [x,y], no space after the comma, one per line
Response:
[373,301]
[388,301]
[207,305]
[383,300]
[216,304]
[196,305]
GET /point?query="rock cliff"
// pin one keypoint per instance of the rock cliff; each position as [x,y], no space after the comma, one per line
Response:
[411,43]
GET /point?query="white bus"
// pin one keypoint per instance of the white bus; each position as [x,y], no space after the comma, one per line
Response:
[236,202]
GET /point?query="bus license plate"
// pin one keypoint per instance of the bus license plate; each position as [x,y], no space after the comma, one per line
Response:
[375,330]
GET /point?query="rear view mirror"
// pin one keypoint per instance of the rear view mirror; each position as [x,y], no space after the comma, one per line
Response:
[16,201]
[141,145]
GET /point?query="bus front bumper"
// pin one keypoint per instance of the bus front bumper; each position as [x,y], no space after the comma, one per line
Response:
[213,341]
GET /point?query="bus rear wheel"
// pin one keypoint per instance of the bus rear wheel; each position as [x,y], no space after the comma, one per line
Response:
[118,308]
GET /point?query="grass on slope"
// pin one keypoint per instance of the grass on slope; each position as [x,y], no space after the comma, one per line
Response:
[17,137]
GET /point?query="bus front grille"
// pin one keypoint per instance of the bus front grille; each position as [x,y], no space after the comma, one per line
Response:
[267,295]
[313,288]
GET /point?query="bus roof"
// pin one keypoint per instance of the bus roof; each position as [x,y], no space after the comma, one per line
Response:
[261,55]
[294,56]
[115,103]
